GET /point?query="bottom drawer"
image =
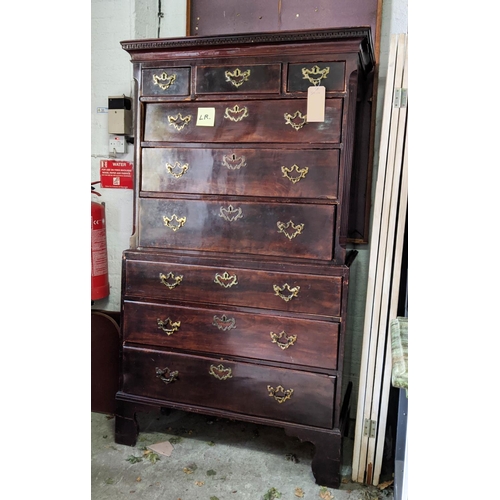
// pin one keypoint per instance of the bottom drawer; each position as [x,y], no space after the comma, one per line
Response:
[276,393]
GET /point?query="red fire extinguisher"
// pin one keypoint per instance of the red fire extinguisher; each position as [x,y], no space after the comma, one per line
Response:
[100,282]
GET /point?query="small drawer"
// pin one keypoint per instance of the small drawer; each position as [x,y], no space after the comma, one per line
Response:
[281,121]
[283,229]
[330,75]
[165,81]
[277,393]
[175,283]
[262,79]
[256,336]
[242,172]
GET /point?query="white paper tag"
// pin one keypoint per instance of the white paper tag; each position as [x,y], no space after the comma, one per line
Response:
[316,104]
[206,117]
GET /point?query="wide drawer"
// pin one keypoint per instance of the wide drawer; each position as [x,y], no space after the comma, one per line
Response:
[285,229]
[165,81]
[253,288]
[281,121]
[276,393]
[239,171]
[258,78]
[233,333]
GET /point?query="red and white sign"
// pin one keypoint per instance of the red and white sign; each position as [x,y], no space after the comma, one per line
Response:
[117,174]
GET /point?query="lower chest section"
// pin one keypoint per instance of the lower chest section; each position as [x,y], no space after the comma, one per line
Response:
[236,336]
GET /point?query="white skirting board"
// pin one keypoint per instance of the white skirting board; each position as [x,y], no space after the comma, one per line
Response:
[386,240]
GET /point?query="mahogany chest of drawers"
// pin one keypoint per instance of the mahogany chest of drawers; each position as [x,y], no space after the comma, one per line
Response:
[234,290]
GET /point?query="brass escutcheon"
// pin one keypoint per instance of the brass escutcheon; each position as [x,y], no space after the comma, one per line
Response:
[295,168]
[165,375]
[220,372]
[285,394]
[168,326]
[237,77]
[226,280]
[286,229]
[297,120]
[224,323]
[230,214]
[234,162]
[164,80]
[178,121]
[170,276]
[288,340]
[174,222]
[236,114]
[293,292]
[177,170]
[315,74]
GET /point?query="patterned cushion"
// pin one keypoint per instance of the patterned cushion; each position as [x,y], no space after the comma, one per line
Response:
[399,344]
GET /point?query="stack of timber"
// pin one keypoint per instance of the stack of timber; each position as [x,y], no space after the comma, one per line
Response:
[384,274]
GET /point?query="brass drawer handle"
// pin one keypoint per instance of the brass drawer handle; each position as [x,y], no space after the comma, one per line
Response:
[165,375]
[220,372]
[177,170]
[280,394]
[290,230]
[178,121]
[237,77]
[297,120]
[288,340]
[226,280]
[224,323]
[230,213]
[170,276]
[168,326]
[315,74]
[164,80]
[233,162]
[174,222]
[293,292]
[236,114]
[294,168]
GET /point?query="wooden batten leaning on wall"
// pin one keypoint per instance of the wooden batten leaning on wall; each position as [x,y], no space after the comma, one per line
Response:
[387,240]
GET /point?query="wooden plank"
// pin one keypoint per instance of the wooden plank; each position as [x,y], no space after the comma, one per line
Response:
[379,412]
[377,338]
[374,364]
[358,465]
[396,279]
[386,385]
[359,455]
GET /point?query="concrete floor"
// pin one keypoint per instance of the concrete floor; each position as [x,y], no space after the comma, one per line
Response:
[212,459]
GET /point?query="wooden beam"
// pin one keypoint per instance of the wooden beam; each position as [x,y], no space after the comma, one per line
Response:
[359,454]
[380,271]
[392,275]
